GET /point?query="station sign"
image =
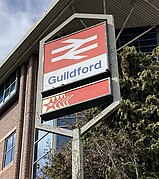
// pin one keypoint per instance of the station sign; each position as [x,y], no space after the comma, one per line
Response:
[80,95]
[75,57]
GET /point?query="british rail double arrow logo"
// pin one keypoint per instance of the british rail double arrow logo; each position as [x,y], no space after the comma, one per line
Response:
[74,46]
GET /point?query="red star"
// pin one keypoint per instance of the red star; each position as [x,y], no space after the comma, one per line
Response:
[50,105]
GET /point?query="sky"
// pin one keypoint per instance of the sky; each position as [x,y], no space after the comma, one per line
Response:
[16,18]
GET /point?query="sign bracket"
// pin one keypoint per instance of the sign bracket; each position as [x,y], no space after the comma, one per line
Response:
[76,134]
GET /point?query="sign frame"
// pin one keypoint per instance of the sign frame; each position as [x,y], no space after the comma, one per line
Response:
[112,55]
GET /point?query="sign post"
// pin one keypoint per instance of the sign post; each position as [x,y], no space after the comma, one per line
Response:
[77,155]
[68,60]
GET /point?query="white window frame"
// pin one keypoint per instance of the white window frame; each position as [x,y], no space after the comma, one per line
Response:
[3,89]
[9,150]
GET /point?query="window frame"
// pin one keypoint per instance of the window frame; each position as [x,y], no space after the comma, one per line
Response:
[10,150]
[12,93]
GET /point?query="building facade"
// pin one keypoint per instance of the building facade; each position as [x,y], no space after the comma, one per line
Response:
[21,145]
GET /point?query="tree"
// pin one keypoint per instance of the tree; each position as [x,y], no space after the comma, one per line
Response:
[126,144]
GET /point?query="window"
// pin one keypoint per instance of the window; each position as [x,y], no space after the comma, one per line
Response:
[9,149]
[47,143]
[145,43]
[8,88]
[43,148]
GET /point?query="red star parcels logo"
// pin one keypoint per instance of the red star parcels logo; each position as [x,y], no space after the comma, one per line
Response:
[57,102]
[75,57]
[76,96]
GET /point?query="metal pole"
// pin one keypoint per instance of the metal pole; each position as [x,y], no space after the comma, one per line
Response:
[81,21]
[136,38]
[126,21]
[104,7]
[77,155]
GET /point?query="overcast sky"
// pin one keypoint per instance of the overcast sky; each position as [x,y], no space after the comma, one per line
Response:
[16,18]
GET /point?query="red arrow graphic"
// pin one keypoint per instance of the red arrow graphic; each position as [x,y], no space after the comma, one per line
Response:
[57,102]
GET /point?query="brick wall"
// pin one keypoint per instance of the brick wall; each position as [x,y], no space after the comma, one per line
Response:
[20,117]
[7,172]
[8,122]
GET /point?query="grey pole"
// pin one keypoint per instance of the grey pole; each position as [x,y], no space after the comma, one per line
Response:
[77,155]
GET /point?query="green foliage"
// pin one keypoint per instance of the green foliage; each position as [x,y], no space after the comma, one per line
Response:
[59,166]
[138,115]
[126,144]
[109,155]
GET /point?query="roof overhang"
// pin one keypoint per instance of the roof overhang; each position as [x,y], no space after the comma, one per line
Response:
[144,13]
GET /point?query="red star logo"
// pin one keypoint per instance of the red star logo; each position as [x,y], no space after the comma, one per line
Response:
[57,102]
[50,105]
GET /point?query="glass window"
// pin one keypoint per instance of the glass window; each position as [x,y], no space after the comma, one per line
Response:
[8,88]
[9,149]
[43,148]
[1,96]
[62,140]
[6,95]
[145,43]
[13,88]
[46,143]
